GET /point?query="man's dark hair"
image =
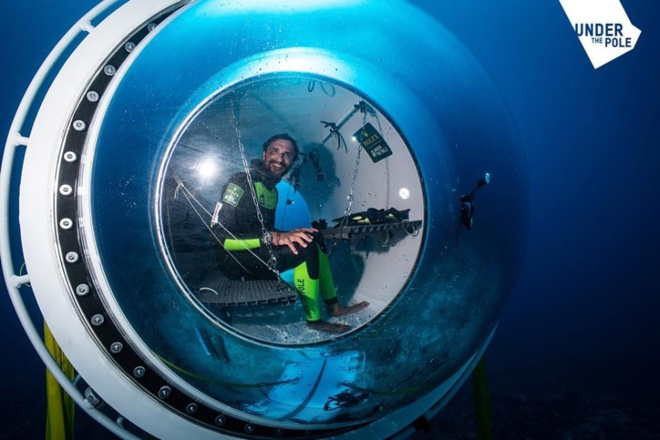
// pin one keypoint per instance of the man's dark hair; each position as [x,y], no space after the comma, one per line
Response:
[286,137]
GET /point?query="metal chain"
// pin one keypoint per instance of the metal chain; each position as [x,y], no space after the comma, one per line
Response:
[272,261]
[351,194]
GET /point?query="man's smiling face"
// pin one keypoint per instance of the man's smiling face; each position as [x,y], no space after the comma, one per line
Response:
[279,157]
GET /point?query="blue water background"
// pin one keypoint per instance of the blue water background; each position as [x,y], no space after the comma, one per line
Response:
[584,314]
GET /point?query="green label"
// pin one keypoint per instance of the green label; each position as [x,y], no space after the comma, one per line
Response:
[373,143]
[232,194]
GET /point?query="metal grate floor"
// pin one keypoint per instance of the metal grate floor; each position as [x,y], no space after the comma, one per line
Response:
[217,289]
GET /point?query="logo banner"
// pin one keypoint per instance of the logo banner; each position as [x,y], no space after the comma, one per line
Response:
[603,28]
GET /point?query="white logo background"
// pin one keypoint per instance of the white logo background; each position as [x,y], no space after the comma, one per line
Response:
[603,28]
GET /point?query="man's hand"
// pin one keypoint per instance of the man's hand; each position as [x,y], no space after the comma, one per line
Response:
[302,236]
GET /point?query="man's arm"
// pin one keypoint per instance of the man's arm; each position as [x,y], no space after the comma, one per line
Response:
[235,211]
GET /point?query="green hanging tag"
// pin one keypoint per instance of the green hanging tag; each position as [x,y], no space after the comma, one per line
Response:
[373,143]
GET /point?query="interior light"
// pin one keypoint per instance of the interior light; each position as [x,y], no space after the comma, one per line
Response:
[208,168]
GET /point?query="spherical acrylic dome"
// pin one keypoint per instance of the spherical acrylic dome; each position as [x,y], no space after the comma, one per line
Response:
[194,102]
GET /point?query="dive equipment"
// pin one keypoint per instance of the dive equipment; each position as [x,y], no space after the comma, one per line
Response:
[467,202]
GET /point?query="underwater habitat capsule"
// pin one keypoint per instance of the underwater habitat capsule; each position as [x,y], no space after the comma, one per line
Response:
[124,184]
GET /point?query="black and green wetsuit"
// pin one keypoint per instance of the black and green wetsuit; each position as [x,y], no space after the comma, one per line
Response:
[240,249]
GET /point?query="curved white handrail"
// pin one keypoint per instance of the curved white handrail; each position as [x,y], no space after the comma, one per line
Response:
[16,139]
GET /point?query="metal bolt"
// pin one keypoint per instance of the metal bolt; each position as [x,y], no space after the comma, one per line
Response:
[129,46]
[109,70]
[66,190]
[93,96]
[138,372]
[79,125]
[250,428]
[71,257]
[151,26]
[191,408]
[116,347]
[164,392]
[82,289]
[97,320]
[221,420]
[91,397]
[70,156]
[66,223]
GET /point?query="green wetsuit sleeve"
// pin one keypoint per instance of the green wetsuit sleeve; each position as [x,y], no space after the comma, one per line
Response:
[231,244]
[239,228]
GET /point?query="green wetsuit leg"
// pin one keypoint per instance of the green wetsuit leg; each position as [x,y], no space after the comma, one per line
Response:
[326,283]
[308,291]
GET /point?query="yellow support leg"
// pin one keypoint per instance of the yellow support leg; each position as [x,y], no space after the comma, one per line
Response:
[482,407]
[60,407]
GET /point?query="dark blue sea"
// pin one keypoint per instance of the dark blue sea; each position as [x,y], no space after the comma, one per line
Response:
[577,350]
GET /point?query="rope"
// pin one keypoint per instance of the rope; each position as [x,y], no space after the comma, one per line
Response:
[188,195]
[334,131]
